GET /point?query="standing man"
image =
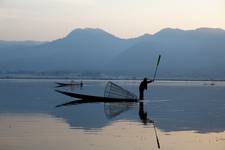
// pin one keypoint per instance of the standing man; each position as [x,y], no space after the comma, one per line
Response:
[142,114]
[143,86]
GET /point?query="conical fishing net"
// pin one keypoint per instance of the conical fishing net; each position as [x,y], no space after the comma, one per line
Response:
[113,90]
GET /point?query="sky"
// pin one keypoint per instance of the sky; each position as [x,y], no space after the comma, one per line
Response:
[46,20]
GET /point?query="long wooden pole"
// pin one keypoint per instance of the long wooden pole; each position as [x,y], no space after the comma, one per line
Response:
[156,68]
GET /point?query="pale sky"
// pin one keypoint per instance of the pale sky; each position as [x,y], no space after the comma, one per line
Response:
[52,19]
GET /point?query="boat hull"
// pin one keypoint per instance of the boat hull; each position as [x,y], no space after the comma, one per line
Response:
[95,98]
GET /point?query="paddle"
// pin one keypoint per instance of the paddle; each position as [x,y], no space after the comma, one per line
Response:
[156,68]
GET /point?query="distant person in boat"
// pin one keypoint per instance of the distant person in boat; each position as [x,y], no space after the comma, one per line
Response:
[143,86]
[81,84]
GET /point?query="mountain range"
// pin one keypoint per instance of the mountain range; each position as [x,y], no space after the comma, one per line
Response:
[198,53]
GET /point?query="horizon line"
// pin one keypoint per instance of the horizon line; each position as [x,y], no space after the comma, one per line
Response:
[104,30]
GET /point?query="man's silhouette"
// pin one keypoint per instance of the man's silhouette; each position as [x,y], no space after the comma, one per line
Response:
[143,86]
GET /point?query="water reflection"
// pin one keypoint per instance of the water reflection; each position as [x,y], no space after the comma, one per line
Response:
[41,131]
[143,115]
[175,106]
[183,111]
[114,109]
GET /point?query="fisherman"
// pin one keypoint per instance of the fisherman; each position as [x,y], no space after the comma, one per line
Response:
[142,114]
[143,86]
[81,84]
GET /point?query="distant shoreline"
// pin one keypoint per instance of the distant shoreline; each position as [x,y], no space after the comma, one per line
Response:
[96,78]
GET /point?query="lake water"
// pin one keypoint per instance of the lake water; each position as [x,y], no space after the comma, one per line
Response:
[187,115]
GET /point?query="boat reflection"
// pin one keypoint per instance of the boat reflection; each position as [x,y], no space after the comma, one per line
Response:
[113,109]
[72,85]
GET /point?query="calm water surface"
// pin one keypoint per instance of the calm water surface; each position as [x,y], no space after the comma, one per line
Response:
[188,115]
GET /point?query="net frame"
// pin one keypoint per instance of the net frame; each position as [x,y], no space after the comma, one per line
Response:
[114,109]
[113,90]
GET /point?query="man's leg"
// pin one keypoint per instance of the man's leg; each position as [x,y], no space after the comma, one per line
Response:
[141,95]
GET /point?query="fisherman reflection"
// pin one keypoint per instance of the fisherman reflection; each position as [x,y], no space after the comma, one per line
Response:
[143,115]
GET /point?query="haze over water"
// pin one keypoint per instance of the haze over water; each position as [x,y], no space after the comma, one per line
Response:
[188,115]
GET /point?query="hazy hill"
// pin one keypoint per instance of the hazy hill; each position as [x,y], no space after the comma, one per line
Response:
[196,53]
[82,49]
[193,53]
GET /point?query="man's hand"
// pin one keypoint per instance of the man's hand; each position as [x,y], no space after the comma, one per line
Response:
[150,81]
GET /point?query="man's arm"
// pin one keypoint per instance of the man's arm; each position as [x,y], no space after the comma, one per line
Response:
[150,81]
